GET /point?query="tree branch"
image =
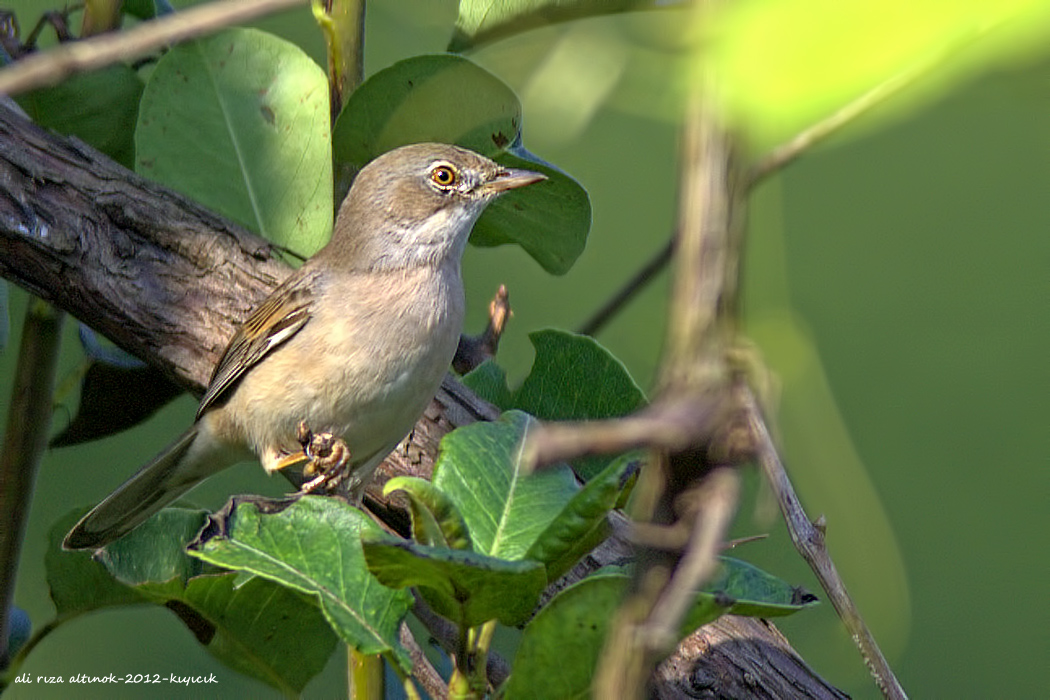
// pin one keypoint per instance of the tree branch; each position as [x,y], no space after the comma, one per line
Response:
[52,66]
[809,541]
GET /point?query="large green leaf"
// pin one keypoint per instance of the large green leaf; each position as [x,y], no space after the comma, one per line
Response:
[263,629]
[450,99]
[240,122]
[524,528]
[99,107]
[828,52]
[465,587]
[562,643]
[573,377]
[260,628]
[505,507]
[481,21]
[314,546]
[549,221]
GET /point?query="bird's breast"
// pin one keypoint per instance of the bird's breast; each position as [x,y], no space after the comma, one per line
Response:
[365,365]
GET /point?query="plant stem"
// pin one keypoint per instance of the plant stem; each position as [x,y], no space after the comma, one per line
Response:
[25,439]
[343,24]
[364,675]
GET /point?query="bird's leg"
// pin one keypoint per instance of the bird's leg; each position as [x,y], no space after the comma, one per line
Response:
[329,458]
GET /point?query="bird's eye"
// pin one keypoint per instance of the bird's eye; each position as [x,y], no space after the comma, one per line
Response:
[443,176]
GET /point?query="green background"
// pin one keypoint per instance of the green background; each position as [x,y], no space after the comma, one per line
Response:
[897,282]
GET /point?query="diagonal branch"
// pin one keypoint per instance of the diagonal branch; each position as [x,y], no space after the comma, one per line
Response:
[809,541]
[51,66]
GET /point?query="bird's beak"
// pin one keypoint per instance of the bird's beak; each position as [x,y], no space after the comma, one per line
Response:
[511,179]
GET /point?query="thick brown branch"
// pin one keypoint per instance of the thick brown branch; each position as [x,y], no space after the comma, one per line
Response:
[159,275]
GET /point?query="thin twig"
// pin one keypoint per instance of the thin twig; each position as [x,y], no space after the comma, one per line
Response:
[422,669]
[25,439]
[639,281]
[717,499]
[447,635]
[809,541]
[52,66]
[672,423]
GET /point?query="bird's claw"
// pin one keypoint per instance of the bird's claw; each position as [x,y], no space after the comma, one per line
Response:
[329,459]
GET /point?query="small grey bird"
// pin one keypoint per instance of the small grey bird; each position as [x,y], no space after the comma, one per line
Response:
[354,343]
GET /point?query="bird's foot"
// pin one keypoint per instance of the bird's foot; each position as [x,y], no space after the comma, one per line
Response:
[329,459]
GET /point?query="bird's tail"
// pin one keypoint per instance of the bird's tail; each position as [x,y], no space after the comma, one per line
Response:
[172,473]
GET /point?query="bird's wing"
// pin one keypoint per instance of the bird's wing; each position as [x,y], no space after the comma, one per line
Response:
[278,318]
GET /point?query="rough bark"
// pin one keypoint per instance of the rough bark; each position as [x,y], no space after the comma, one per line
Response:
[167,280]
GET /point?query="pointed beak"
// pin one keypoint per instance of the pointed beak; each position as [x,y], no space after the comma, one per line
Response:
[511,179]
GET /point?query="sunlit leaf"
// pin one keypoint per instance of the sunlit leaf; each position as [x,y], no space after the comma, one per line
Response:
[481,21]
[785,64]
[240,122]
[256,627]
[506,508]
[314,546]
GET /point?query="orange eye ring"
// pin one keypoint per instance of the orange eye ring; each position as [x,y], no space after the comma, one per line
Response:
[444,176]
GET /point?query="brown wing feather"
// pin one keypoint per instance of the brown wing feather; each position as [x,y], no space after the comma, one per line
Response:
[278,318]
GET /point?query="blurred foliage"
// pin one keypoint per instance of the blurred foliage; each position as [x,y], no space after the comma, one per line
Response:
[784,64]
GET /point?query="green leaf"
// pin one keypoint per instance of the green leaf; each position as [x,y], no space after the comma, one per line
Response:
[756,593]
[314,546]
[79,584]
[481,21]
[240,122]
[465,587]
[258,628]
[581,525]
[436,521]
[263,629]
[549,221]
[489,381]
[442,98]
[574,377]
[505,508]
[153,554]
[99,108]
[562,643]
[829,53]
[450,99]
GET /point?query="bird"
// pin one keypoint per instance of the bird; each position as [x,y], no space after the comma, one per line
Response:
[353,344]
